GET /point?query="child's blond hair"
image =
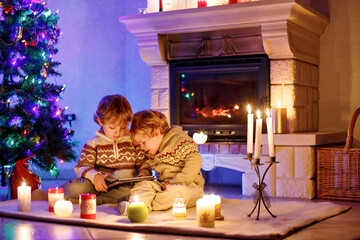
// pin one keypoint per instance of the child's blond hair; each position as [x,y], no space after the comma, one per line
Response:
[147,122]
[114,109]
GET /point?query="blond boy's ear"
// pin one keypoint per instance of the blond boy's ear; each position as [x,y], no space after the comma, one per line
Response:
[100,121]
[157,132]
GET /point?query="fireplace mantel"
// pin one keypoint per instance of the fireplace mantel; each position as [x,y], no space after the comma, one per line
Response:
[289,28]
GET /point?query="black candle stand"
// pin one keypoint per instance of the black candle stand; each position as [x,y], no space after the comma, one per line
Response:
[260,187]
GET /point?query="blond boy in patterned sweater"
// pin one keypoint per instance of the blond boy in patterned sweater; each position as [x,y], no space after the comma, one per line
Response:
[108,156]
[173,156]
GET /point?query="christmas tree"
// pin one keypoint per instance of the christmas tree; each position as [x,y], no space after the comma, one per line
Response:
[31,120]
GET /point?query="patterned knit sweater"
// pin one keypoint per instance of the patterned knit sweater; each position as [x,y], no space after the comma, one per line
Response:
[119,159]
[178,159]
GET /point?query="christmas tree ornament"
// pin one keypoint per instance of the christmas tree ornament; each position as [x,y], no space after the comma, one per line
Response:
[19,34]
[43,73]
[8,9]
[33,40]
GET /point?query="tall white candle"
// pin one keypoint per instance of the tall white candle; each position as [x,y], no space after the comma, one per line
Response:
[258,130]
[250,130]
[270,133]
[24,198]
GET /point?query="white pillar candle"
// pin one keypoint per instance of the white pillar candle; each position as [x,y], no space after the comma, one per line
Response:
[205,213]
[54,195]
[258,130]
[250,130]
[217,202]
[24,198]
[63,208]
[270,133]
[179,209]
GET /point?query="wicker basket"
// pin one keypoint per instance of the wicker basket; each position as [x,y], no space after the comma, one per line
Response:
[338,169]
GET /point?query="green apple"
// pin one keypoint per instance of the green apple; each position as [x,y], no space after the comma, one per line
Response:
[137,212]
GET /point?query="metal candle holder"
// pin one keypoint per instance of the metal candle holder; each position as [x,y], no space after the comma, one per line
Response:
[260,187]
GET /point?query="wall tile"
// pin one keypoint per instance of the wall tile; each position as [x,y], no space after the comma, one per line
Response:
[285,155]
[305,162]
[299,188]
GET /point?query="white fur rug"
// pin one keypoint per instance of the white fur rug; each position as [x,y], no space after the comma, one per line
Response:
[291,216]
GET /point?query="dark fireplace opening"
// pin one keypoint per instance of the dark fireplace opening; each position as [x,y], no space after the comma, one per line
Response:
[212,94]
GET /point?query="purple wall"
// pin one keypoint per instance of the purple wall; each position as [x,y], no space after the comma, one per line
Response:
[98,57]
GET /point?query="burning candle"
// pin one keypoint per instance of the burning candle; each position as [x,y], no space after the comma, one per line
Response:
[179,209]
[250,131]
[202,3]
[217,202]
[87,206]
[269,125]
[54,194]
[279,119]
[205,213]
[137,211]
[63,208]
[258,130]
[24,198]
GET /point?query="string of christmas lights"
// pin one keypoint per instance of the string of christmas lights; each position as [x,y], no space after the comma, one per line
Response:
[31,119]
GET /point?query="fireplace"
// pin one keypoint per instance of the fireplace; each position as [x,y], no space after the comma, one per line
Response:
[287,32]
[211,95]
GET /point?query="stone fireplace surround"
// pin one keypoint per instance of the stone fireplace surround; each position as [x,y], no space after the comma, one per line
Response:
[288,31]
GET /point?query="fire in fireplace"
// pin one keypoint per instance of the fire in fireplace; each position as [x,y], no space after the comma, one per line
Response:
[212,94]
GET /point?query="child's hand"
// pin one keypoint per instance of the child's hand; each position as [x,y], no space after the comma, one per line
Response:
[165,184]
[99,182]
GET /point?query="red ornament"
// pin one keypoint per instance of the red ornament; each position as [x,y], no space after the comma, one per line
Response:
[8,9]
[33,40]
[202,3]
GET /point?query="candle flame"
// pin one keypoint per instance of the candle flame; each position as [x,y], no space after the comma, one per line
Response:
[279,104]
[249,108]
[268,112]
[258,114]
[24,184]
[136,198]
[56,188]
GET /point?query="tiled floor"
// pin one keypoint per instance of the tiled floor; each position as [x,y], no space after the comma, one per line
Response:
[344,227]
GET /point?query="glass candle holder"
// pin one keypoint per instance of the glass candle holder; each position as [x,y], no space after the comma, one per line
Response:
[179,209]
